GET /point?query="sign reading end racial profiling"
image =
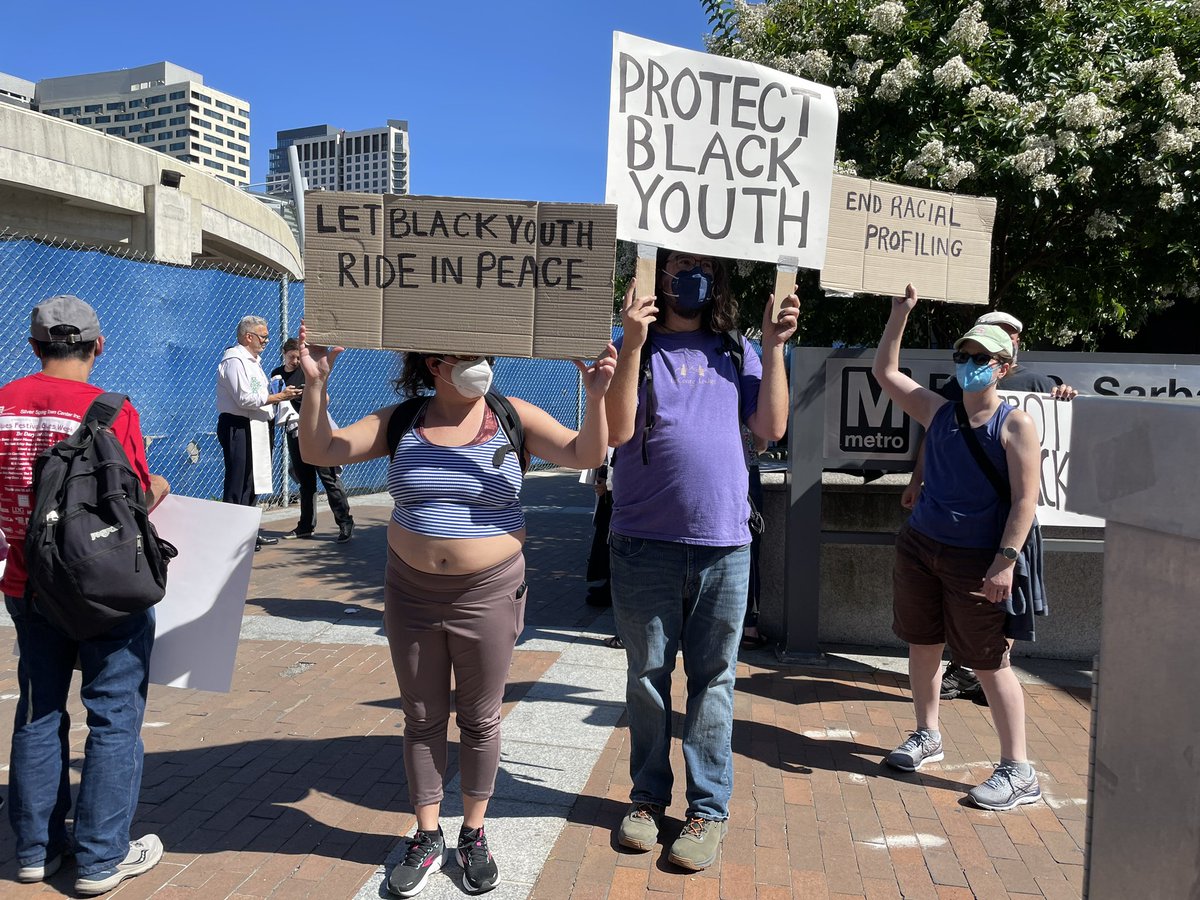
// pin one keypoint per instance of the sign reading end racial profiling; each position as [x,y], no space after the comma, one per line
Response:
[718,156]
[883,237]
[456,275]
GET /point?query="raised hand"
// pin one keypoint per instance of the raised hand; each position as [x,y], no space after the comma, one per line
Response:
[598,376]
[637,314]
[316,362]
[775,334]
[907,302]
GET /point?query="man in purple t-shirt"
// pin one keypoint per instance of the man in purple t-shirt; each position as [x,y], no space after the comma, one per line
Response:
[680,540]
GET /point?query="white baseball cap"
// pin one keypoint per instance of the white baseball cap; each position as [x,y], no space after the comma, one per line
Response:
[1001,318]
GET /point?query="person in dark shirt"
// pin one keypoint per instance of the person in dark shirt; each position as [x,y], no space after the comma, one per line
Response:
[306,475]
[959,681]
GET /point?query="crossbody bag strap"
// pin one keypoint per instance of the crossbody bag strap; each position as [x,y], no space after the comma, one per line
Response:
[999,482]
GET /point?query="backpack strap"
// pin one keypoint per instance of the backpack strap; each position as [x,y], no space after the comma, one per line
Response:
[999,482]
[400,422]
[104,409]
[510,424]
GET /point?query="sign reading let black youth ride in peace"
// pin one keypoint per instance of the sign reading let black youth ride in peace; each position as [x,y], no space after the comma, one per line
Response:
[458,275]
[718,156]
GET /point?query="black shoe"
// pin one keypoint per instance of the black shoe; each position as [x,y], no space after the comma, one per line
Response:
[958,681]
[345,531]
[297,533]
[599,595]
[479,869]
[261,542]
[425,855]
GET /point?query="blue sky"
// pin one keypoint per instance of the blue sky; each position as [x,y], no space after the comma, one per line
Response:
[503,99]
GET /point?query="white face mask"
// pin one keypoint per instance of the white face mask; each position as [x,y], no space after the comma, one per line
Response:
[471,377]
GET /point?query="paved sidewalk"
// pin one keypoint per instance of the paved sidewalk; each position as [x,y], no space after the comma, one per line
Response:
[292,785]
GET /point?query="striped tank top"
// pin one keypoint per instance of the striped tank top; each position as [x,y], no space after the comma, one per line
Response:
[455,492]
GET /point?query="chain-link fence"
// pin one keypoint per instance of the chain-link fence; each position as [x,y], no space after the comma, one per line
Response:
[165,329]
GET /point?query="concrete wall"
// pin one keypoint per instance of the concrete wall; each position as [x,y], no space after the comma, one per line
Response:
[856,579]
[67,181]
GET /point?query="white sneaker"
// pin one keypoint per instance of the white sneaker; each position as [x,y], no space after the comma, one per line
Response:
[144,854]
[40,872]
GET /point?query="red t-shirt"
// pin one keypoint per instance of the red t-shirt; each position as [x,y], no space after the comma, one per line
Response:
[36,412]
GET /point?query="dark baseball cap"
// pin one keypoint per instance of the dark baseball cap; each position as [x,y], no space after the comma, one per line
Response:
[64,309]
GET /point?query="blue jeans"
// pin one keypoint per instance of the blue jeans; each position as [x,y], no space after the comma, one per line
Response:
[667,596]
[115,673]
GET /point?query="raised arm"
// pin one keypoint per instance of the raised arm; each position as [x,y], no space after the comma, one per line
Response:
[320,444]
[637,314]
[554,442]
[770,418]
[920,403]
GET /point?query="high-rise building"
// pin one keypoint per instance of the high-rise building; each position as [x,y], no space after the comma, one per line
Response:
[162,105]
[373,161]
[16,91]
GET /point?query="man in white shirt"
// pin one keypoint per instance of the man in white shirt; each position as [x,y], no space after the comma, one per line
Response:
[244,411]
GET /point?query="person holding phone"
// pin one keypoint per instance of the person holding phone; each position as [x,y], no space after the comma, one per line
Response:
[454,588]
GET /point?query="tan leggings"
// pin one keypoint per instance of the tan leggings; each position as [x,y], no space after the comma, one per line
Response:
[468,624]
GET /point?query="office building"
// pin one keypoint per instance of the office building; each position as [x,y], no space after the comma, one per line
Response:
[16,91]
[163,106]
[373,161]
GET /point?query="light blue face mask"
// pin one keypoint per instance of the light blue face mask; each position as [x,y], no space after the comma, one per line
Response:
[973,377]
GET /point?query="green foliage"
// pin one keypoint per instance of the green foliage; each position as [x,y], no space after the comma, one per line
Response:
[1081,117]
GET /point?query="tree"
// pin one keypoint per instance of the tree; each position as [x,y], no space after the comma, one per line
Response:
[1081,117]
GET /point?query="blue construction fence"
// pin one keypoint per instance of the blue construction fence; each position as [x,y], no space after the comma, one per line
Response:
[166,328]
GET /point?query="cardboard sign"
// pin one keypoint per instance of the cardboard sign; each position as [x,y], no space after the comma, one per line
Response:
[456,275]
[718,156]
[883,237]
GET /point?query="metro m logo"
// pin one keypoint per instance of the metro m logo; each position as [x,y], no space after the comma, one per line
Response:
[871,423]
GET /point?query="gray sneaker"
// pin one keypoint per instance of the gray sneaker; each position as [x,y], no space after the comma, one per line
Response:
[1006,788]
[143,855]
[639,828]
[39,871]
[920,748]
[698,843]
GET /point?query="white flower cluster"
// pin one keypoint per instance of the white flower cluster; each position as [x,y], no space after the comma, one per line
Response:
[969,31]
[933,153]
[1186,106]
[814,64]
[1066,140]
[860,44]
[862,71]
[1101,225]
[1151,174]
[1171,140]
[1054,7]
[957,171]
[1170,199]
[1001,101]
[887,17]
[915,171]
[1162,68]
[1085,111]
[1044,182]
[953,74]
[845,167]
[1109,136]
[1033,112]
[1037,152]
[846,97]
[1082,175]
[898,79]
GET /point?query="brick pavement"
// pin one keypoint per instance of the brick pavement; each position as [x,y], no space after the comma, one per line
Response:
[292,784]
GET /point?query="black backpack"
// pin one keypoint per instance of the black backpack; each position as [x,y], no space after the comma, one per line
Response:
[404,414]
[92,556]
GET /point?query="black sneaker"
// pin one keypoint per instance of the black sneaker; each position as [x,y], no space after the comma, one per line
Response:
[345,531]
[425,855]
[480,874]
[958,681]
[297,533]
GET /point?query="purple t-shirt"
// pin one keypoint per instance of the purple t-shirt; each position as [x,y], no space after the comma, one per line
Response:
[694,490]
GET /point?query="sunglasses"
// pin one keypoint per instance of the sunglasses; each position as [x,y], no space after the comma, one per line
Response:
[980,359]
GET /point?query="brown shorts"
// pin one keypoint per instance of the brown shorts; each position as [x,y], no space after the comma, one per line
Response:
[937,598]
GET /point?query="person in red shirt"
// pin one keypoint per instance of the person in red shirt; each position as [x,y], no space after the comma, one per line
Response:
[36,412]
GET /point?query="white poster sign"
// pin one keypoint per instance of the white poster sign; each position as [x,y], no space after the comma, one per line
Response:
[1053,421]
[200,618]
[718,156]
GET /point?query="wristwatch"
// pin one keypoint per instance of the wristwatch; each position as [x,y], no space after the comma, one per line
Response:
[1009,553]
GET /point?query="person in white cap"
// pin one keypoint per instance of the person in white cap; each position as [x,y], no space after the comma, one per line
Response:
[958,681]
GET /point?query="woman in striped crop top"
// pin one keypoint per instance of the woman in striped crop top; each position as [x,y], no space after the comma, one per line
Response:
[454,589]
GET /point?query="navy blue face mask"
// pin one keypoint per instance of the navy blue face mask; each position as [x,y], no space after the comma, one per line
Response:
[692,290]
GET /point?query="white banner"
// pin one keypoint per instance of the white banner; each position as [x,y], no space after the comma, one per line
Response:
[1053,421]
[718,156]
